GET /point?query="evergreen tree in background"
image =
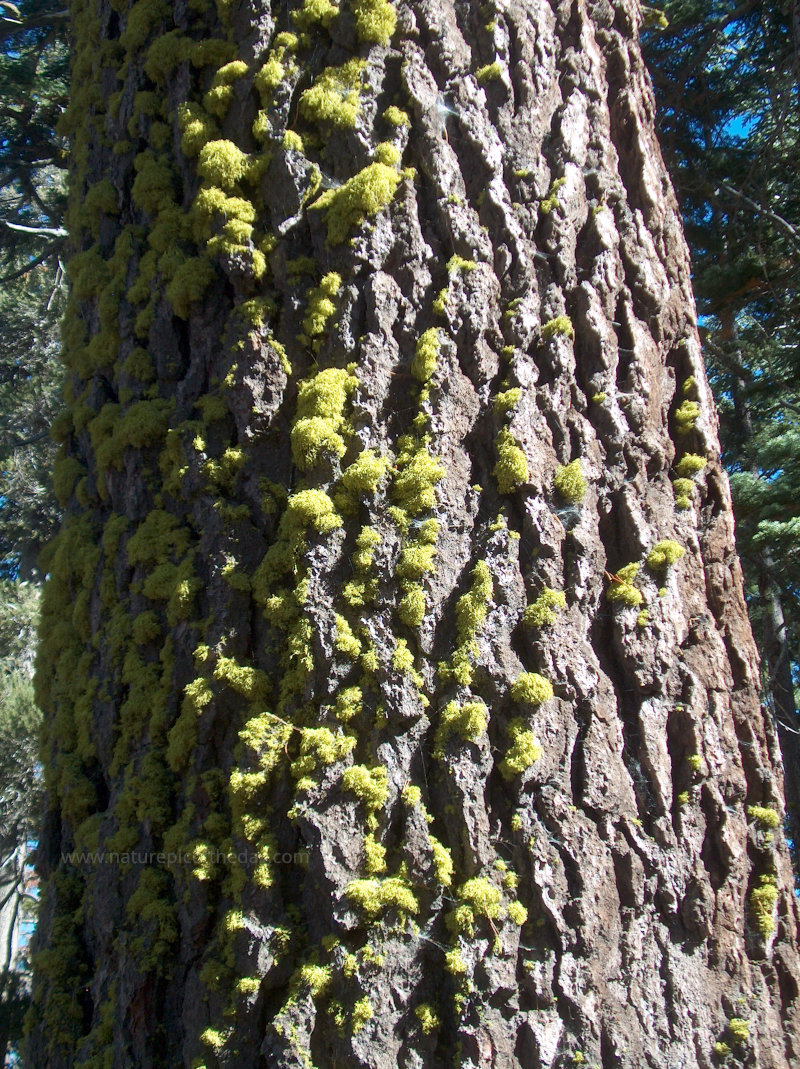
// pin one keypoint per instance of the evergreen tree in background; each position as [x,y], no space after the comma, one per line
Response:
[729,122]
[33,66]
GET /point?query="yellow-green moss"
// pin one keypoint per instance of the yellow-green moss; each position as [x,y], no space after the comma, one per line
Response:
[222,163]
[507,399]
[523,752]
[763,899]
[396,116]
[544,610]
[471,608]
[551,200]
[417,473]
[377,896]
[368,784]
[490,73]
[511,469]
[561,325]
[375,20]
[429,1020]
[426,355]
[664,554]
[570,482]
[366,473]
[739,1029]
[334,98]
[621,586]
[766,816]
[686,416]
[689,464]
[362,197]
[313,11]
[468,720]
[531,689]
[321,304]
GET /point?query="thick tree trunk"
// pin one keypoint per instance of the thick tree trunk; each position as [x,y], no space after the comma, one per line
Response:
[337,775]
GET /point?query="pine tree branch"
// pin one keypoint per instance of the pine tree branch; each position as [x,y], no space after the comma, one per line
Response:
[783,223]
[51,231]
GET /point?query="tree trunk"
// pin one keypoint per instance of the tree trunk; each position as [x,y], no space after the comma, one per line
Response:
[400,712]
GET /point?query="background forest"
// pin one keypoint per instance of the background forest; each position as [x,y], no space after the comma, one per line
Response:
[726,83]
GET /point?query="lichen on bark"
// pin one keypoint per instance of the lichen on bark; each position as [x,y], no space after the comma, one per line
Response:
[400,710]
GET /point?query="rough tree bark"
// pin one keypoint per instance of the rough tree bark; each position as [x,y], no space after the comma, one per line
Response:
[402,709]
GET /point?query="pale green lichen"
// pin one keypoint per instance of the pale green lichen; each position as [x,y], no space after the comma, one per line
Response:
[543,611]
[570,482]
[511,470]
[366,473]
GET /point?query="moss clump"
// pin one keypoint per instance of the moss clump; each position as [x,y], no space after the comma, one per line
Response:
[690,464]
[396,116]
[686,416]
[511,470]
[222,164]
[477,898]
[471,608]
[335,97]
[570,482]
[664,554]
[561,325]
[763,899]
[531,689]
[766,816]
[411,607]
[507,399]
[426,355]
[377,896]
[362,197]
[739,1029]
[368,784]
[417,473]
[320,416]
[468,720]
[188,284]
[429,1020]
[321,304]
[490,73]
[524,749]
[544,610]
[310,508]
[362,1012]
[375,21]
[551,201]
[366,473]
[621,587]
